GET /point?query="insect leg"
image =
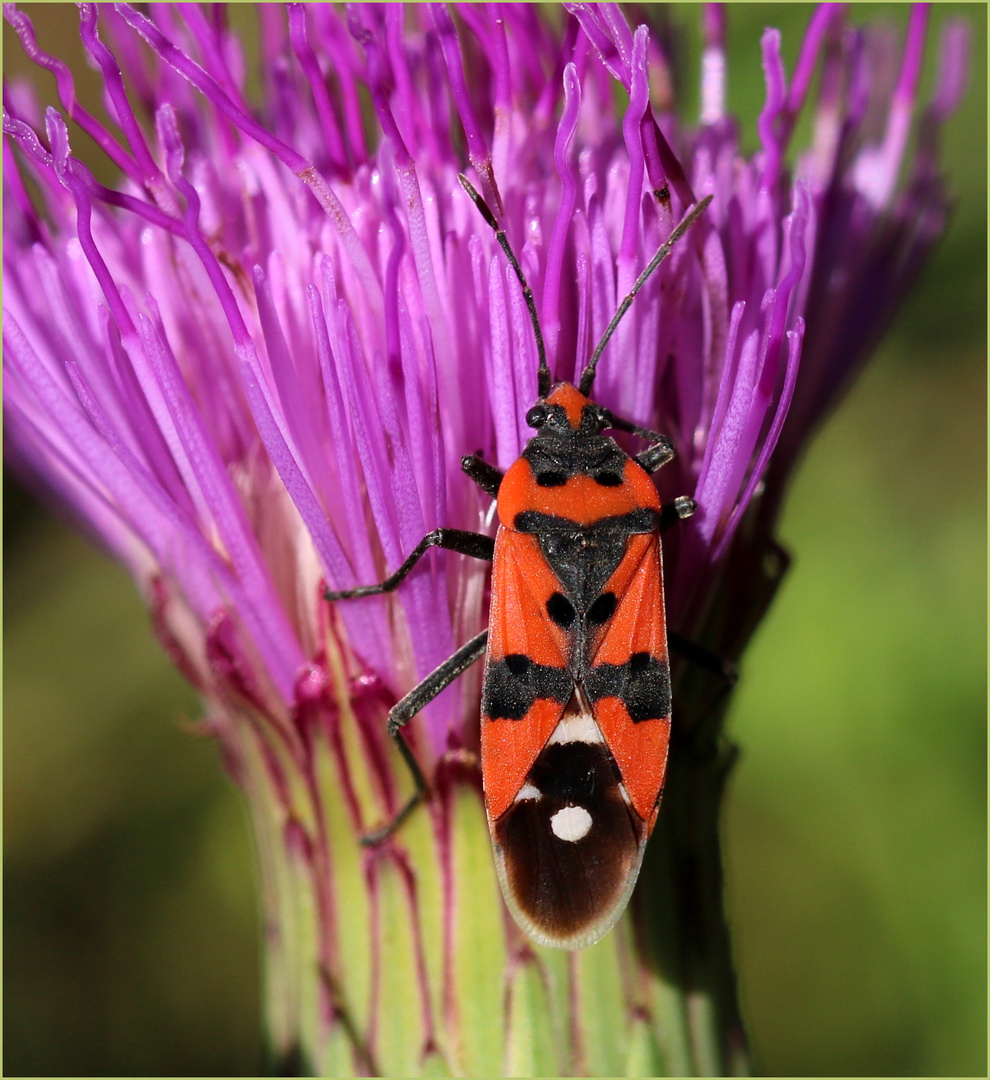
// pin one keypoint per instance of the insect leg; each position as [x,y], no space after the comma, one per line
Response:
[673,512]
[403,711]
[476,545]
[704,658]
[676,510]
[657,454]
[486,476]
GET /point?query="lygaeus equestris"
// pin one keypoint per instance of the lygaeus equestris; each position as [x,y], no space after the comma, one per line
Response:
[575,708]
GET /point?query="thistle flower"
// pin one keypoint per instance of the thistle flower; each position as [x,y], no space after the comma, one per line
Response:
[252,367]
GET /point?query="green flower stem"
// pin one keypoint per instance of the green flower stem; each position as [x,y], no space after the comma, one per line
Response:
[401,960]
[685,930]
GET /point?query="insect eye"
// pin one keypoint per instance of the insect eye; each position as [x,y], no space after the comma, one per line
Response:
[604,418]
[537,416]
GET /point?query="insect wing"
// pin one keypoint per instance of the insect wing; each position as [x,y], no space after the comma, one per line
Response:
[526,681]
[569,811]
[629,682]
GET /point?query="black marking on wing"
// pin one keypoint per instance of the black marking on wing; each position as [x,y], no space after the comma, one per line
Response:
[513,684]
[571,774]
[584,557]
[643,684]
[602,609]
[561,610]
[566,887]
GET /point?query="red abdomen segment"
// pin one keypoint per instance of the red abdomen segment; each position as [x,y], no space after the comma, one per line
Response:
[576,702]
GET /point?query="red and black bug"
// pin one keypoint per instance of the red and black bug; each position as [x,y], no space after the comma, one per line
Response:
[575,709]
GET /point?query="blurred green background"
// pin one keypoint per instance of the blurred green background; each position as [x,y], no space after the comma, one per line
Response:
[856,823]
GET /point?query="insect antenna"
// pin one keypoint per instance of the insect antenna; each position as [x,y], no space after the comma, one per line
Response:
[543,379]
[588,375]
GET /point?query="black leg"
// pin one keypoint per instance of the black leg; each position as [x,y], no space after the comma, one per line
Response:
[676,511]
[657,454]
[704,658]
[673,512]
[403,711]
[465,543]
[486,476]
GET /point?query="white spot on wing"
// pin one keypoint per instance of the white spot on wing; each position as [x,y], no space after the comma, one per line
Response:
[577,724]
[572,823]
[528,791]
